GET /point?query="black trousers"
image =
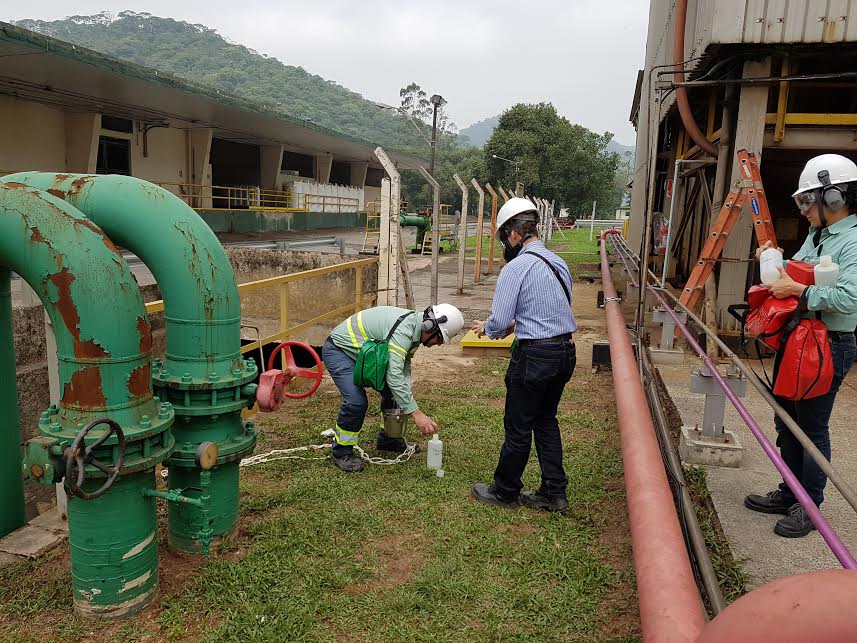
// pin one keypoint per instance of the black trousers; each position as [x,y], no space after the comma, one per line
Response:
[535,379]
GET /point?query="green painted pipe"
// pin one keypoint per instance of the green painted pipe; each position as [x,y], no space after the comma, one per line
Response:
[104,345]
[203,370]
[114,550]
[103,336]
[11,484]
[202,311]
[422,224]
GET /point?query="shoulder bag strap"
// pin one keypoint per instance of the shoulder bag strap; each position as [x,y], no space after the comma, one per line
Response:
[555,273]
[399,321]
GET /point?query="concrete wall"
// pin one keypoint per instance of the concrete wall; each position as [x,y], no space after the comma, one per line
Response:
[33,136]
[167,160]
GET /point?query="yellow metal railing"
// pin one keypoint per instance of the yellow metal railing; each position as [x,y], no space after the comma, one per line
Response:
[228,197]
[282,284]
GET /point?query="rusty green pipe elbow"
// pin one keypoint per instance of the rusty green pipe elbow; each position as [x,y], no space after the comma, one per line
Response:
[202,311]
[203,375]
[104,340]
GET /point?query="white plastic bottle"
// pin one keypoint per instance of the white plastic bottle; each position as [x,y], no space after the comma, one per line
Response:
[434,459]
[770,263]
[826,272]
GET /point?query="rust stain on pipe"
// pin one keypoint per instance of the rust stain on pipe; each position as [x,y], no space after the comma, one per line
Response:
[84,390]
[140,382]
[68,311]
[145,331]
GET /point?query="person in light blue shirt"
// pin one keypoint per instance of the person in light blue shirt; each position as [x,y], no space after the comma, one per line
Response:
[827,197]
[533,299]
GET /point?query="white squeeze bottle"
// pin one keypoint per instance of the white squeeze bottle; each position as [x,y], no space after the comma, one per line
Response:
[770,262]
[435,453]
[826,272]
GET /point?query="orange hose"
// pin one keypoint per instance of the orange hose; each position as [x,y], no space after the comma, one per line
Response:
[681,92]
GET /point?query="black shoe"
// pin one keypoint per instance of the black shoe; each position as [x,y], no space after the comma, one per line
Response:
[395,445]
[537,500]
[488,495]
[349,463]
[796,525]
[772,502]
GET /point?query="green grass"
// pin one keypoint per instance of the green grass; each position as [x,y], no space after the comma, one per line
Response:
[395,553]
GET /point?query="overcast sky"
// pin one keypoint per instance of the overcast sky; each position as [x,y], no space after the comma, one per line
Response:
[482,56]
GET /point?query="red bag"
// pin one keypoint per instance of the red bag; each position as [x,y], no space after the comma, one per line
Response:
[805,366]
[768,316]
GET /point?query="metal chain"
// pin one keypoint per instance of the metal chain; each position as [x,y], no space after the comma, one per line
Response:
[404,456]
[286,454]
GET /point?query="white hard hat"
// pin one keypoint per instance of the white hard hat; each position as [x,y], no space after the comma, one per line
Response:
[512,208]
[841,170]
[454,320]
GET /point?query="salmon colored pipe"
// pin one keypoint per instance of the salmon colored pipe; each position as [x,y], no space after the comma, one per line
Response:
[670,607]
[681,92]
[818,607]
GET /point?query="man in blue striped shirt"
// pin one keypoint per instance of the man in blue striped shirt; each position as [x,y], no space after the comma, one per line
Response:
[533,299]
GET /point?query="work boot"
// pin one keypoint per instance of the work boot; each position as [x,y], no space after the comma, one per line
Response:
[537,500]
[773,502]
[349,463]
[488,495]
[796,525]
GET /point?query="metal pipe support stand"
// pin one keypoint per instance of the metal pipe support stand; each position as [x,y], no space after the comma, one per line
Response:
[666,353]
[712,444]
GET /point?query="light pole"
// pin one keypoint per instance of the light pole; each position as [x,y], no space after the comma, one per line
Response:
[515,163]
[436,101]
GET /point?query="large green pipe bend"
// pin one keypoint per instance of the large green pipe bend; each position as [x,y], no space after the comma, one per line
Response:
[202,310]
[103,337]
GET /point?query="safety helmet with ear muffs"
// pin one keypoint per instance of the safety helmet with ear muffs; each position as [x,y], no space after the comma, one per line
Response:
[444,320]
[824,181]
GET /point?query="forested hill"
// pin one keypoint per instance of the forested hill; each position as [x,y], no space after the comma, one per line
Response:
[200,54]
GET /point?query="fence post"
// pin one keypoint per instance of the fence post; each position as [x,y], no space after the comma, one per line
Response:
[358,288]
[462,232]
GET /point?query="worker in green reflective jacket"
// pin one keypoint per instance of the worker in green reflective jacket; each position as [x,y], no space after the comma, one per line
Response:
[435,325]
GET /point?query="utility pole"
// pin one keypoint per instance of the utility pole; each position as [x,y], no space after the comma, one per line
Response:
[436,101]
[435,223]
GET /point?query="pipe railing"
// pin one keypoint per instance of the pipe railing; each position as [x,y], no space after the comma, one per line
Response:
[837,546]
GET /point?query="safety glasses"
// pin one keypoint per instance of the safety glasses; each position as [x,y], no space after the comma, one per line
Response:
[805,201]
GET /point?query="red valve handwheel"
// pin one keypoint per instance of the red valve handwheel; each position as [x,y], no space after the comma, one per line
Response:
[314,375]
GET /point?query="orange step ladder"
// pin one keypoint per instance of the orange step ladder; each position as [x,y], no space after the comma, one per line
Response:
[747,189]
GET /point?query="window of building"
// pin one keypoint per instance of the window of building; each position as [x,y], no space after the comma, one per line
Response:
[114,156]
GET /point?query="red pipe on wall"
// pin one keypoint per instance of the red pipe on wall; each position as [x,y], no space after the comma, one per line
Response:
[670,607]
[681,92]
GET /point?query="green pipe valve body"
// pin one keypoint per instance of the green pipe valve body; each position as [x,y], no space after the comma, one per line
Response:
[203,374]
[104,352]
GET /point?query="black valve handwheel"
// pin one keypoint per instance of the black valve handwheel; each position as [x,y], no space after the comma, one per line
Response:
[80,455]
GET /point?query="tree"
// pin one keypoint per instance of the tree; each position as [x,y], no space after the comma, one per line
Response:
[555,158]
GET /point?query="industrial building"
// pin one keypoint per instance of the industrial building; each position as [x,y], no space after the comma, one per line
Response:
[243,166]
[774,78]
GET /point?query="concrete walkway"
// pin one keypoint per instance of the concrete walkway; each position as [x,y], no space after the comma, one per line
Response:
[766,556]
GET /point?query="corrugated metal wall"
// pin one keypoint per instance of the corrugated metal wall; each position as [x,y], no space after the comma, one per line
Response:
[775,21]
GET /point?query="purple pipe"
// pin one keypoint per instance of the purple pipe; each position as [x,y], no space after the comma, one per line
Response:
[830,536]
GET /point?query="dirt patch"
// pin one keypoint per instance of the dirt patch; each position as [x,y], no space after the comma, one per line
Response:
[399,560]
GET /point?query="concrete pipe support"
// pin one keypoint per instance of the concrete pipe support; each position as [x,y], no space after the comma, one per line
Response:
[203,374]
